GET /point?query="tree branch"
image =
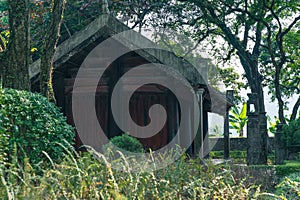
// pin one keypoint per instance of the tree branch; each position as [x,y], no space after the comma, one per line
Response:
[290,26]
[295,109]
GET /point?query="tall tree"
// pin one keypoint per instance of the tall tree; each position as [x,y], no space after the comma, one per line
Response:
[49,49]
[15,63]
[46,22]
[281,51]
[240,24]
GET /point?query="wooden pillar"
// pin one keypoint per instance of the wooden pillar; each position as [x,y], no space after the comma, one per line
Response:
[113,129]
[280,150]
[229,96]
[186,133]
[205,135]
[198,141]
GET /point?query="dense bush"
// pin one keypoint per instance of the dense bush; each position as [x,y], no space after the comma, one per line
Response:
[291,133]
[32,124]
[128,143]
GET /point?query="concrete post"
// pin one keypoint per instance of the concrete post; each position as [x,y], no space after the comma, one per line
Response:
[256,137]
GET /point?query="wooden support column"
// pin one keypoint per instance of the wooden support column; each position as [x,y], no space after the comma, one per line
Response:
[226,136]
[205,145]
[186,134]
[198,141]
[229,96]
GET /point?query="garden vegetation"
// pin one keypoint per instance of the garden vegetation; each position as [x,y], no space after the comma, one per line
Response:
[38,161]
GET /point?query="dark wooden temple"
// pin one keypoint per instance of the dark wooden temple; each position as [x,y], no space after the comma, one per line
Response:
[71,54]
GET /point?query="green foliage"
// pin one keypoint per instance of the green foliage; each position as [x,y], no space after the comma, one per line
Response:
[238,119]
[3,44]
[289,167]
[4,37]
[289,76]
[4,134]
[3,15]
[291,133]
[273,125]
[253,32]
[77,15]
[231,79]
[128,143]
[91,176]
[4,32]
[33,124]
[289,187]
[238,157]
[217,131]
[233,154]
[137,13]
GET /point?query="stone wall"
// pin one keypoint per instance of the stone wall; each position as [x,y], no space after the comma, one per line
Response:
[235,144]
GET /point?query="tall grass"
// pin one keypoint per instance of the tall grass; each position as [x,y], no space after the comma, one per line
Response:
[90,175]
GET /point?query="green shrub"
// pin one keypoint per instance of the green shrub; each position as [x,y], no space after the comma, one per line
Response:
[233,154]
[289,167]
[289,187]
[4,134]
[33,124]
[291,133]
[128,143]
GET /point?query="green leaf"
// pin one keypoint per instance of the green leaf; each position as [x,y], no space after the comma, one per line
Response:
[243,114]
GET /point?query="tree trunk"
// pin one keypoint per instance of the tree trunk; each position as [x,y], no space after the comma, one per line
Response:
[241,133]
[15,72]
[49,49]
[260,136]
[295,110]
